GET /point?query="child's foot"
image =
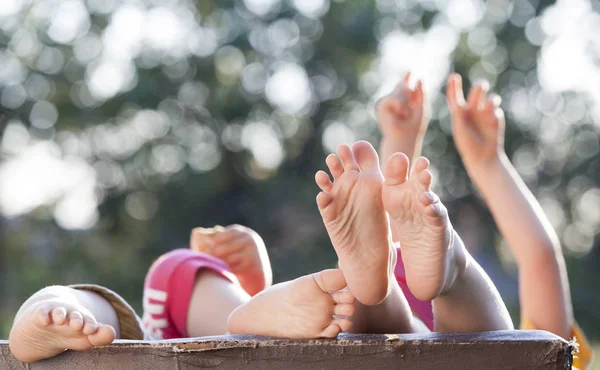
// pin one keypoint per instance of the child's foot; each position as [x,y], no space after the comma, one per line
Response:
[356,221]
[426,235]
[50,327]
[299,309]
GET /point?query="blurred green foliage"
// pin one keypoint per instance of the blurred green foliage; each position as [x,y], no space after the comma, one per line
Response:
[127,123]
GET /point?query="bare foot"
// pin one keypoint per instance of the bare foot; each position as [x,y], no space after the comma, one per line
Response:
[426,235]
[49,327]
[309,307]
[356,221]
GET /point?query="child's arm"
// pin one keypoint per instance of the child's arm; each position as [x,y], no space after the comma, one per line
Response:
[403,118]
[478,130]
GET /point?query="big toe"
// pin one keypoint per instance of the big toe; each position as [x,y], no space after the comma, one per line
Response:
[396,171]
[365,155]
[330,280]
[105,335]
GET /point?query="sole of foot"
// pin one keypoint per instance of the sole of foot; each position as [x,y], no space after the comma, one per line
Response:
[311,306]
[355,219]
[426,234]
[48,328]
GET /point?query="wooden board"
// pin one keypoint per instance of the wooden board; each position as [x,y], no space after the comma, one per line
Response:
[492,350]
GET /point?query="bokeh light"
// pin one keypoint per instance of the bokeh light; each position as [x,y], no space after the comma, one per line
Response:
[126,122]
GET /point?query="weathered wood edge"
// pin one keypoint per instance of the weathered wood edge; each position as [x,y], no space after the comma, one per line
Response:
[532,349]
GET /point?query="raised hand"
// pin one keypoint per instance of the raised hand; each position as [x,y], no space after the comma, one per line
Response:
[477,123]
[242,249]
[403,112]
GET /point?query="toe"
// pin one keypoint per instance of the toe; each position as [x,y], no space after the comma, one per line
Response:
[396,171]
[436,211]
[331,331]
[335,166]
[344,309]
[76,320]
[343,297]
[42,316]
[425,178]
[343,324]
[90,325]
[347,158]
[330,280]
[59,315]
[428,197]
[104,335]
[323,200]
[323,181]
[365,155]
[421,164]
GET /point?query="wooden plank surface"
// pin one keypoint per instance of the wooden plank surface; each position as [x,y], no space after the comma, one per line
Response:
[493,350]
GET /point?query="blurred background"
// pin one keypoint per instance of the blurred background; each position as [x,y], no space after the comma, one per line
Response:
[125,123]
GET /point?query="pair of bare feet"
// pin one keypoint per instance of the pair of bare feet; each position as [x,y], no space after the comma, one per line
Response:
[353,208]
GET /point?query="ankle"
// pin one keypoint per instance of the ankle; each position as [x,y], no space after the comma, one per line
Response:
[456,264]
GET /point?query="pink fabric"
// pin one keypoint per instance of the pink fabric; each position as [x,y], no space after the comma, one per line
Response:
[423,309]
[168,289]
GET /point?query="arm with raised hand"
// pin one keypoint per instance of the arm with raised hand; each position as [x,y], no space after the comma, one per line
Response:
[478,131]
[403,118]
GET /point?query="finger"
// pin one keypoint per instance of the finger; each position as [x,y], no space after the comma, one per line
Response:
[454,92]
[393,105]
[493,101]
[225,236]
[406,78]
[200,239]
[476,94]
[235,261]
[234,246]
[417,98]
